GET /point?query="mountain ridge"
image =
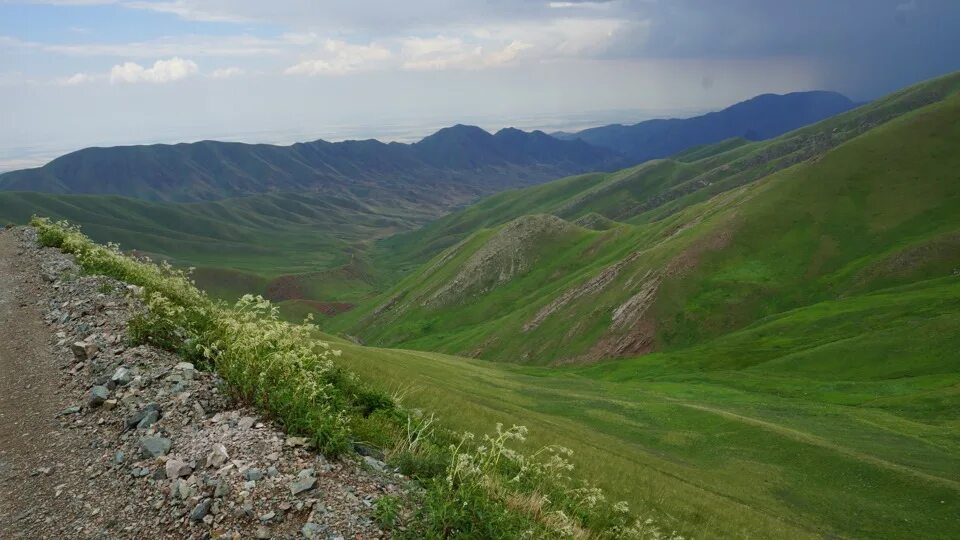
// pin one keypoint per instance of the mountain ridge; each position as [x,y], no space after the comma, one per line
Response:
[685,251]
[458,163]
[761,117]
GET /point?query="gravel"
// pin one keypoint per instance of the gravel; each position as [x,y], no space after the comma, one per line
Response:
[172,456]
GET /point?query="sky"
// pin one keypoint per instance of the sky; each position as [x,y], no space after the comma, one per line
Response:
[76,73]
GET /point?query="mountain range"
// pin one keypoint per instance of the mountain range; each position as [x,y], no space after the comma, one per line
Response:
[680,250]
[452,166]
[762,117]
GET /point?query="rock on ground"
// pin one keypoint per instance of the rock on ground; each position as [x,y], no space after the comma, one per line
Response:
[102,440]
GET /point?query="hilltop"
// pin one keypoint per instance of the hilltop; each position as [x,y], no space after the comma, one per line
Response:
[762,117]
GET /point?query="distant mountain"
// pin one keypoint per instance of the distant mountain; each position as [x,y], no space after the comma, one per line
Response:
[454,165]
[676,252]
[762,117]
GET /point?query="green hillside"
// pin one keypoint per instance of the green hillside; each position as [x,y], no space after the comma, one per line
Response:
[288,246]
[861,202]
[834,420]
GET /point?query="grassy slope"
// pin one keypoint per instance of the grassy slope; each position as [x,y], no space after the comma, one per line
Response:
[878,210]
[239,245]
[838,418]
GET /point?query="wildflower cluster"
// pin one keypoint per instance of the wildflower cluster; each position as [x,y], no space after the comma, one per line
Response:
[278,366]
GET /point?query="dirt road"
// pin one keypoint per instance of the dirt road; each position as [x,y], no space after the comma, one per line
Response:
[38,458]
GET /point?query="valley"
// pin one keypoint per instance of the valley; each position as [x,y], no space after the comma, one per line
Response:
[748,339]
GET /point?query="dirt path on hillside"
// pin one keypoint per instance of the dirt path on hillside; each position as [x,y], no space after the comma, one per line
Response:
[103,439]
[38,457]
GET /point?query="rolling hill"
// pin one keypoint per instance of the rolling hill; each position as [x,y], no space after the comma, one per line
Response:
[451,167]
[759,118]
[690,248]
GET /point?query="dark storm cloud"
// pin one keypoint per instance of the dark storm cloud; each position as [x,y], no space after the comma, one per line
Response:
[865,47]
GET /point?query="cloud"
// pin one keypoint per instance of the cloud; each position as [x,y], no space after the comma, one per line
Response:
[163,71]
[437,53]
[582,5]
[190,10]
[215,46]
[907,6]
[228,72]
[339,57]
[76,79]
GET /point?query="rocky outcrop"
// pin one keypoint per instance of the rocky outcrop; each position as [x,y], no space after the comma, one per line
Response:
[507,254]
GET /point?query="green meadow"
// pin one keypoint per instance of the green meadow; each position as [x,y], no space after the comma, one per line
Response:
[835,420]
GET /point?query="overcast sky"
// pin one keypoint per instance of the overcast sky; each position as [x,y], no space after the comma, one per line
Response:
[79,72]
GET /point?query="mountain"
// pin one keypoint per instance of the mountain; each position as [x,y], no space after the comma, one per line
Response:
[450,167]
[674,253]
[759,118]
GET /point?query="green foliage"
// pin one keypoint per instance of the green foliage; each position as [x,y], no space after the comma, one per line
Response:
[387,511]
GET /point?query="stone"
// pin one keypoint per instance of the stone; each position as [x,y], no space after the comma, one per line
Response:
[110,404]
[84,350]
[149,419]
[312,531]
[187,370]
[266,518]
[246,422]
[302,484]
[119,458]
[218,456]
[177,469]
[181,488]
[375,463]
[263,533]
[296,441]
[253,474]
[154,446]
[122,376]
[74,409]
[272,472]
[201,510]
[98,395]
[222,489]
[134,419]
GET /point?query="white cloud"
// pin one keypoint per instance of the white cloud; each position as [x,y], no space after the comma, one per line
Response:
[190,10]
[581,5]
[162,71]
[217,46]
[76,79]
[228,72]
[339,57]
[442,52]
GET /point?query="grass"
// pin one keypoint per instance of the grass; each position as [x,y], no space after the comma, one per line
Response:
[832,420]
[254,244]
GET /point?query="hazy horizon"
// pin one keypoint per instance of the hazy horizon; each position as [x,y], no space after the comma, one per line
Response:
[393,130]
[77,73]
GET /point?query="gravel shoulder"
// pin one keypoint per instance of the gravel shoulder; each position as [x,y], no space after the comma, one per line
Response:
[99,439]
